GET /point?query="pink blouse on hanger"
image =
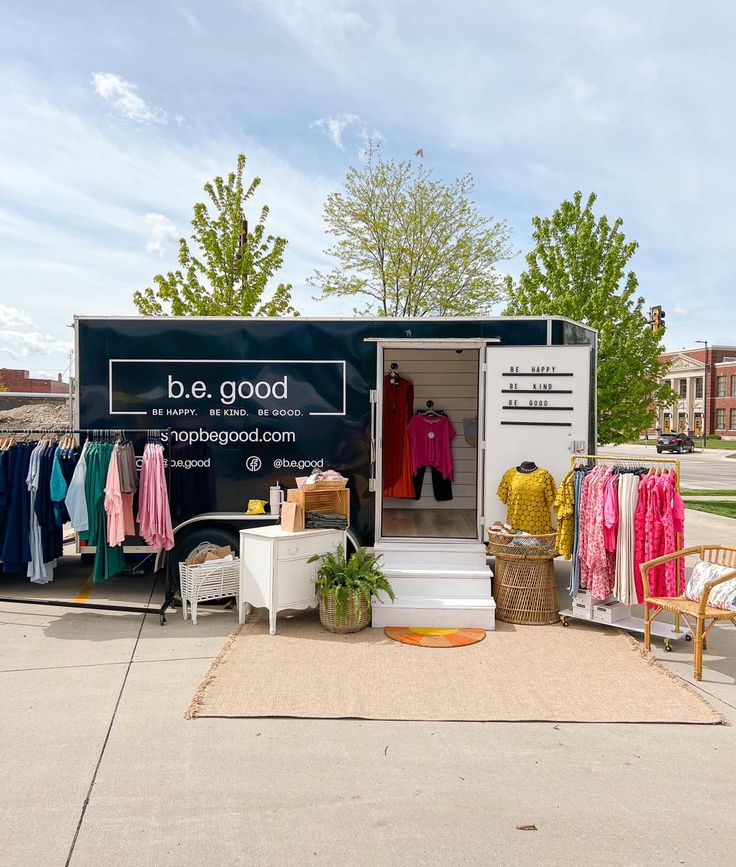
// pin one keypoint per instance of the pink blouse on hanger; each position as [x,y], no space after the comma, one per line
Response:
[430,438]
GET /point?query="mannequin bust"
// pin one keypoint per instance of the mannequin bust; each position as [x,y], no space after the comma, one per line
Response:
[527,467]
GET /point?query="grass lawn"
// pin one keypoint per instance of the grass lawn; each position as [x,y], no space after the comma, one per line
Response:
[727,510]
[703,492]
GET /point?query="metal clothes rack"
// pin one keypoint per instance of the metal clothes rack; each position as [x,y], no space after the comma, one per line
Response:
[636,624]
[92,433]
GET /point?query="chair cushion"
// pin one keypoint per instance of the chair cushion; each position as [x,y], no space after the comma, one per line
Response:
[721,596]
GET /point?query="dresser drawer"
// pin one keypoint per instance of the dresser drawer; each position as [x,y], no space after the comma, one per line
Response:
[301,547]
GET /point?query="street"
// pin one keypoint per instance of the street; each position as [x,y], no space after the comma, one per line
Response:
[711,469]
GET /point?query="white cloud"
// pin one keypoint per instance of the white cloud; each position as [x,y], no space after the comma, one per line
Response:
[679,310]
[122,96]
[21,338]
[161,233]
[326,28]
[13,316]
[335,125]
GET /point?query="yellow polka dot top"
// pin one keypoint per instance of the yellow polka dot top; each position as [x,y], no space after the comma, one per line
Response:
[529,498]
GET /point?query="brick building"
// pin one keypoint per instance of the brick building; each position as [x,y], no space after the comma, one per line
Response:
[690,374]
[22,381]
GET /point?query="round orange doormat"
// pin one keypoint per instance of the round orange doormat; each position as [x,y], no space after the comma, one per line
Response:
[428,637]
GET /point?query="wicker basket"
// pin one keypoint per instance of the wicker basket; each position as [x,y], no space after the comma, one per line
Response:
[532,545]
[355,620]
[524,589]
[207,581]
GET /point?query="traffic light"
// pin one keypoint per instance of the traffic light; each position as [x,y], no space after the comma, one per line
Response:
[656,318]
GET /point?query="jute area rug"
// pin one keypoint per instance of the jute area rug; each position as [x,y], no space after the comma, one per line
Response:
[579,674]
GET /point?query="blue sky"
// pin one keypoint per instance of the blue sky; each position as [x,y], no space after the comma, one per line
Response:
[112,116]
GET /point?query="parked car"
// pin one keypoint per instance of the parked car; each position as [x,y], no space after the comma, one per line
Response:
[675,442]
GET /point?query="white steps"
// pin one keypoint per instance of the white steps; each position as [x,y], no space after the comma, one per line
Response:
[436,612]
[448,583]
[445,585]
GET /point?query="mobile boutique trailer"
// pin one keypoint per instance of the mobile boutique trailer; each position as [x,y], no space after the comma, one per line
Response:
[252,402]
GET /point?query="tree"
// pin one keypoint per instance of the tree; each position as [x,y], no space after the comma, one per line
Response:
[410,245]
[231,266]
[578,269]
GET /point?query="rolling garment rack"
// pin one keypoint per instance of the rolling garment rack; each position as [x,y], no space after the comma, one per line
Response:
[636,624]
[91,433]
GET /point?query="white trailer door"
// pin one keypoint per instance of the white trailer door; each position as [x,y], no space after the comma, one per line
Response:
[537,408]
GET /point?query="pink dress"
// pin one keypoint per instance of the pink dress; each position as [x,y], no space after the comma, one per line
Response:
[114,504]
[584,522]
[654,542]
[154,514]
[640,535]
[596,564]
[673,522]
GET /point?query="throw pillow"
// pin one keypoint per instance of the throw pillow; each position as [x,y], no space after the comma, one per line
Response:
[722,595]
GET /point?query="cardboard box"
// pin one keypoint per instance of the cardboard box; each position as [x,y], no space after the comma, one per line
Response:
[610,612]
[581,610]
[584,597]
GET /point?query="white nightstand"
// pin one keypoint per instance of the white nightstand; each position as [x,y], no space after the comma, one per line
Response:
[274,568]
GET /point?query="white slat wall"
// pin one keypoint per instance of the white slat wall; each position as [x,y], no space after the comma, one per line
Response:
[450,379]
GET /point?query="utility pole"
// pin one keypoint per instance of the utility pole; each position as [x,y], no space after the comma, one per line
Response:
[705,393]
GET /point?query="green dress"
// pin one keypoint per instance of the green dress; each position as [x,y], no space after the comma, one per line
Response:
[108,560]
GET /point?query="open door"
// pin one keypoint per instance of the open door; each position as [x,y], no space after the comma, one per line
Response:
[440,386]
[537,408]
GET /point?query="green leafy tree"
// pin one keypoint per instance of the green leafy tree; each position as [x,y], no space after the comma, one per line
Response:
[578,269]
[228,271]
[409,245]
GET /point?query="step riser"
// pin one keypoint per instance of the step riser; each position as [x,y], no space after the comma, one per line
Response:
[425,560]
[387,615]
[418,558]
[447,587]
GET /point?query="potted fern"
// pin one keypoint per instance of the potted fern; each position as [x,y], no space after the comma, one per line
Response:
[345,587]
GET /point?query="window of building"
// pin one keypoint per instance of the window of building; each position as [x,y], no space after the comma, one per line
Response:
[733,385]
[699,387]
[721,386]
[720,419]
[732,423]
[683,387]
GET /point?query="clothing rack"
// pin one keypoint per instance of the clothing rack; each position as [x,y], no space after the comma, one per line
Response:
[627,461]
[93,433]
[636,624]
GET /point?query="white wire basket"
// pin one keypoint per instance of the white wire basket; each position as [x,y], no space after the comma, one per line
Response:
[207,581]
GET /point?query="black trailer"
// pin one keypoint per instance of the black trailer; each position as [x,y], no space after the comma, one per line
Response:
[250,402]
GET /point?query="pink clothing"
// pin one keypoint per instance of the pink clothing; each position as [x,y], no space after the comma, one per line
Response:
[430,438]
[596,564]
[610,513]
[114,503]
[674,524]
[640,535]
[154,514]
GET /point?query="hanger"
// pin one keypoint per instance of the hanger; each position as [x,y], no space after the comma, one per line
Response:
[394,376]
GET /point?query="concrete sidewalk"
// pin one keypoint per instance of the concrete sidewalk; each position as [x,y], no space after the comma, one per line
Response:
[92,709]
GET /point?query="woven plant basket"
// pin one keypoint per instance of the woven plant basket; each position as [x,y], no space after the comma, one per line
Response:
[356,620]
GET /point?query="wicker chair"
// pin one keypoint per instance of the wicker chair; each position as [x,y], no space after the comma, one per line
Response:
[701,611]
